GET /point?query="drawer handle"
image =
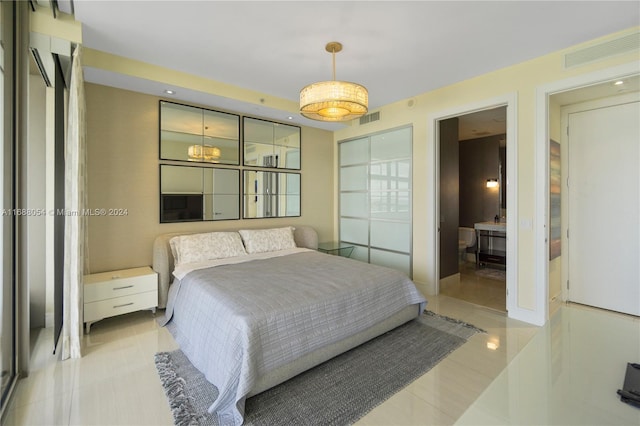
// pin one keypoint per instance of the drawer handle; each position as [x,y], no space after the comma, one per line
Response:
[122,306]
[122,288]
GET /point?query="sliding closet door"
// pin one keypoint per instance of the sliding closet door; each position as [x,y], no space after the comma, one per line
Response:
[375,198]
[354,196]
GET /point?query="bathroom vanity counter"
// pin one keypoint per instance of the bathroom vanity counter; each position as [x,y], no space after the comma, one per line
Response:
[491,226]
[488,249]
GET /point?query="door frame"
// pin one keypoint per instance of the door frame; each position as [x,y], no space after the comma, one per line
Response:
[510,101]
[541,174]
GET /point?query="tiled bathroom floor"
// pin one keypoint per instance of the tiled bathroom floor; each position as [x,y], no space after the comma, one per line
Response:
[476,287]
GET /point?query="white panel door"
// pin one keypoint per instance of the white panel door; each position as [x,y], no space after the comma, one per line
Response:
[604,207]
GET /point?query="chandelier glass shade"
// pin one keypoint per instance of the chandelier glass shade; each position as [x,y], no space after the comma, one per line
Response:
[203,153]
[334,100]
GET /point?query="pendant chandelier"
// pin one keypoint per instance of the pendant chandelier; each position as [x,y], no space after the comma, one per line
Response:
[334,100]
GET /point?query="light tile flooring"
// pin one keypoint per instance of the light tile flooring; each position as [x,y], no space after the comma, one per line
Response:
[567,375]
[481,287]
[116,383]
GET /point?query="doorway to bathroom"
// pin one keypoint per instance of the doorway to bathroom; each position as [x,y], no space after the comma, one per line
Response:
[473,201]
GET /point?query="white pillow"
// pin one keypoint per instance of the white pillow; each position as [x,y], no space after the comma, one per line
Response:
[263,240]
[206,246]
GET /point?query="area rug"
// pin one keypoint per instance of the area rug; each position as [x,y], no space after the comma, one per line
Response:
[492,274]
[337,392]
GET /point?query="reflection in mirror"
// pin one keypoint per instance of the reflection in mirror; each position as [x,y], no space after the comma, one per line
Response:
[268,144]
[199,135]
[271,194]
[198,193]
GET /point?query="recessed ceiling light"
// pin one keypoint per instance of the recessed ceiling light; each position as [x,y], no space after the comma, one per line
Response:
[170,92]
[619,83]
[290,118]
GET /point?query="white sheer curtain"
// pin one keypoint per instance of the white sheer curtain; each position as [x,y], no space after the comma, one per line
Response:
[75,240]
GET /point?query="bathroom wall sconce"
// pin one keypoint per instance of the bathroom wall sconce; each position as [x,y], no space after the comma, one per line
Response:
[492,183]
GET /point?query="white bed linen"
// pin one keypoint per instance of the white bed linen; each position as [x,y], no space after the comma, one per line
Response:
[182,270]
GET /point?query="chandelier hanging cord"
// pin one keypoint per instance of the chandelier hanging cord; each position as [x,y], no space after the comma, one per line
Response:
[334,47]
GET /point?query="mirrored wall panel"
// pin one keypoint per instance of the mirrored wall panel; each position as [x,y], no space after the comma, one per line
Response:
[271,194]
[190,194]
[269,144]
[199,135]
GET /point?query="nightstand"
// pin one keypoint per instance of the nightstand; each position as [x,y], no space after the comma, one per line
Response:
[108,294]
[334,248]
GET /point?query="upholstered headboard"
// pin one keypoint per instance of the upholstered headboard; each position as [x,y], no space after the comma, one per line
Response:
[163,264]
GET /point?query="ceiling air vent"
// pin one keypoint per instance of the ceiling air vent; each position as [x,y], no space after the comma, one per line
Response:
[596,52]
[374,116]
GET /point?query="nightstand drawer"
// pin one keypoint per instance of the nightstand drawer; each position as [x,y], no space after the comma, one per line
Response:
[120,305]
[108,285]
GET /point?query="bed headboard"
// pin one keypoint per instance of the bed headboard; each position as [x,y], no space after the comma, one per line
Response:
[305,236]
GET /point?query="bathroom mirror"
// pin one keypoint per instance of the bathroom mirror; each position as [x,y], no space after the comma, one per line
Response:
[271,194]
[269,144]
[190,193]
[198,135]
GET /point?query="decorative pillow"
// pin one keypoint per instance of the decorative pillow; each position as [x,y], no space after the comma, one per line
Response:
[207,246]
[262,240]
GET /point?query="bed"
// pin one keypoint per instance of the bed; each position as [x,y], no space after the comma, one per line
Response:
[253,308]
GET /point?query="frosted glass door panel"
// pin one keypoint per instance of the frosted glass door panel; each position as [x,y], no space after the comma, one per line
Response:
[394,205]
[360,253]
[391,175]
[355,178]
[401,262]
[354,231]
[391,145]
[354,152]
[391,235]
[354,204]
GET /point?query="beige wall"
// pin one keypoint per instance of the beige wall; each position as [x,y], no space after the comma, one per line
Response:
[123,173]
[522,80]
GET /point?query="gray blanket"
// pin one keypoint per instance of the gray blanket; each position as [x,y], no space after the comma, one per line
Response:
[237,322]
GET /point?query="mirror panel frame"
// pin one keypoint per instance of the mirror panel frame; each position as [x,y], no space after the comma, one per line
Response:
[212,140]
[188,205]
[272,140]
[268,195]
[269,141]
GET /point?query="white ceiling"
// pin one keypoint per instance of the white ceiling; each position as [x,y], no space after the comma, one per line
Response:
[397,49]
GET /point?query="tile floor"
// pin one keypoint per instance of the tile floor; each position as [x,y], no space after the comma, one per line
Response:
[116,383]
[481,287]
[567,375]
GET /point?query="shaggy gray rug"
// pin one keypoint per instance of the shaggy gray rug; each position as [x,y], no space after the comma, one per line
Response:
[337,392]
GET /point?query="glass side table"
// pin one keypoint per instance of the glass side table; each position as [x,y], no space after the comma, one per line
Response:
[335,248]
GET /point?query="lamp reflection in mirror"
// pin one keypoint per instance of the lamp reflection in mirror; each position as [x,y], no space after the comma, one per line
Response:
[492,183]
[203,153]
[493,343]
